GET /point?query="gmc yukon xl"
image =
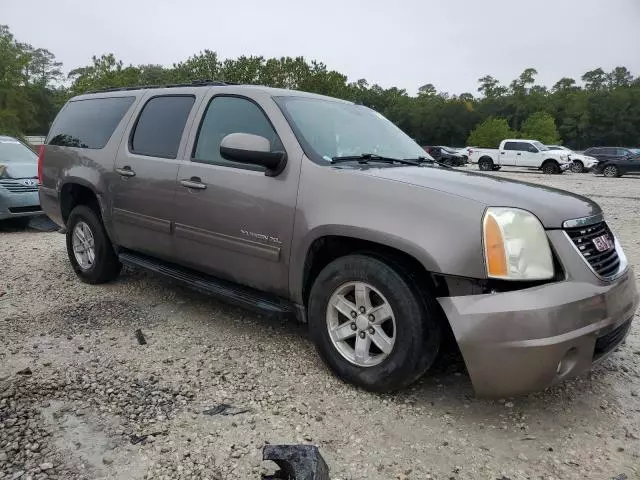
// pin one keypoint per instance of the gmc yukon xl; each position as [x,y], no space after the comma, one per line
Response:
[304,206]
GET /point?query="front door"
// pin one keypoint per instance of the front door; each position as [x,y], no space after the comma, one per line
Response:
[146,170]
[527,155]
[233,221]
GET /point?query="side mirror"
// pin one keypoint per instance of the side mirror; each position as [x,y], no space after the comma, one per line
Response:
[254,150]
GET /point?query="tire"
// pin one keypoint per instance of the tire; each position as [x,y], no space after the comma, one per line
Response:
[611,171]
[105,265]
[485,164]
[414,327]
[577,166]
[551,167]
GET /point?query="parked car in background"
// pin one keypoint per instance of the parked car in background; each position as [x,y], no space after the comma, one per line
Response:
[579,161]
[245,192]
[18,181]
[611,153]
[446,155]
[520,153]
[616,166]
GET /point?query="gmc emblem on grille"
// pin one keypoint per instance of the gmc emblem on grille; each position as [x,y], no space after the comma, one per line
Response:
[602,243]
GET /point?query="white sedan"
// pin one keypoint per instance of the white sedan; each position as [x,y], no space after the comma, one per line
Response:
[579,163]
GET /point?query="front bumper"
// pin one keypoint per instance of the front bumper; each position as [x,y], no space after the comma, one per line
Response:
[14,205]
[526,340]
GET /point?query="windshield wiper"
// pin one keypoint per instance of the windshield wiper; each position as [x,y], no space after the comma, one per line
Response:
[421,160]
[372,157]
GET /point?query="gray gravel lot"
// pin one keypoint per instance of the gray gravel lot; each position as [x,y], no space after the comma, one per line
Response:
[91,392]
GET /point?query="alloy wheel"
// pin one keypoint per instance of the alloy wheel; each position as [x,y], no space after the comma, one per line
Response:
[361,324]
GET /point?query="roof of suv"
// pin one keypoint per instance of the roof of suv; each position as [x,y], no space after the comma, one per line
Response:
[272,91]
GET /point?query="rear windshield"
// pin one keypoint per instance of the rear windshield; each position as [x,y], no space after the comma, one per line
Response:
[12,151]
[88,123]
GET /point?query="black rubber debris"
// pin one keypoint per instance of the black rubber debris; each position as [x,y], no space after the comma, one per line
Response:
[140,337]
[136,439]
[224,409]
[25,371]
[296,462]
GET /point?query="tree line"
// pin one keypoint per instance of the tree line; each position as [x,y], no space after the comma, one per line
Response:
[604,109]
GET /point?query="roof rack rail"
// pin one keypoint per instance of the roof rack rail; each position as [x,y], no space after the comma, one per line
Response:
[193,83]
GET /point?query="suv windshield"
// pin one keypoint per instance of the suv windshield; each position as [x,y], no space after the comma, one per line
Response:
[328,129]
[540,146]
[12,151]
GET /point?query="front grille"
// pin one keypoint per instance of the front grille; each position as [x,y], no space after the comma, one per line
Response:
[606,263]
[31,208]
[611,340]
[15,186]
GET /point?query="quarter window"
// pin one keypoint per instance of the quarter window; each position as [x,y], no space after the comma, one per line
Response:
[226,115]
[160,125]
[89,123]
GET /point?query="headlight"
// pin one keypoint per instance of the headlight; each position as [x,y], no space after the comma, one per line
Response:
[515,245]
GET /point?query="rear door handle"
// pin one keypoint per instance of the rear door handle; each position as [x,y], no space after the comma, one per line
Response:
[126,171]
[502,153]
[518,153]
[193,182]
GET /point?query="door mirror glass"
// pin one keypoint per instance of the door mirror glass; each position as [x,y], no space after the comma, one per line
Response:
[252,149]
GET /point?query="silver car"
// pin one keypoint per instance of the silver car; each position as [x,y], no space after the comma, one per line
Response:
[18,180]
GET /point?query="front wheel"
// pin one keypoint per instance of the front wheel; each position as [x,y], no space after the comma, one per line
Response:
[577,166]
[89,248]
[551,167]
[611,171]
[371,325]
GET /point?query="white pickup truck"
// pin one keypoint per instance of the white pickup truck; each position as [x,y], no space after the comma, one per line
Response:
[520,153]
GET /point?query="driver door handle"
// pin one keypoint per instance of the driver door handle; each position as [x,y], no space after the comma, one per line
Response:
[126,171]
[193,182]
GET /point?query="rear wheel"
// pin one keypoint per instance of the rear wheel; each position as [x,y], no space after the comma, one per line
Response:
[371,325]
[485,164]
[89,248]
[611,171]
[577,166]
[551,167]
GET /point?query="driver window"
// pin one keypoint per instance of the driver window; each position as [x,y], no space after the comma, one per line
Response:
[227,115]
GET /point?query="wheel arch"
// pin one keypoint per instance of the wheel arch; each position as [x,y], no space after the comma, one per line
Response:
[329,244]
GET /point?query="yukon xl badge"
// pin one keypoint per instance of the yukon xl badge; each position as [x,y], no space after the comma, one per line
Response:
[602,243]
[261,236]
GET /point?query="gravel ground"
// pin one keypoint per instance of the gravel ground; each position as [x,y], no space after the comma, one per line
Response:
[80,398]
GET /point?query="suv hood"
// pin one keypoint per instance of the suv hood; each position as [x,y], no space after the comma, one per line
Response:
[18,170]
[551,205]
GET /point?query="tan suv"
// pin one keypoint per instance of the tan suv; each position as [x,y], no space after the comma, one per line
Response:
[300,205]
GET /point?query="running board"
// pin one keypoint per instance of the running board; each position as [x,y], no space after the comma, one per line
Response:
[229,292]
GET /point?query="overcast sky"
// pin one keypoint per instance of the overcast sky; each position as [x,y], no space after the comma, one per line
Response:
[404,43]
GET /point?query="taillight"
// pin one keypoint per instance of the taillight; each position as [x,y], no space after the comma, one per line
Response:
[40,159]
[470,152]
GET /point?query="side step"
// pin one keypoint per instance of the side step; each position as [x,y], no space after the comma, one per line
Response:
[229,292]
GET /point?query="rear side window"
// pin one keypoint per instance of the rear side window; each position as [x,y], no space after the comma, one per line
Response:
[623,152]
[511,146]
[227,115]
[89,123]
[160,125]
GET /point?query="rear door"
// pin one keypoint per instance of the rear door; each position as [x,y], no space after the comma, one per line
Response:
[233,221]
[508,155]
[147,167]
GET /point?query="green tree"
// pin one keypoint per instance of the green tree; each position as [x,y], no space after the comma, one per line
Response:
[595,79]
[540,126]
[490,133]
